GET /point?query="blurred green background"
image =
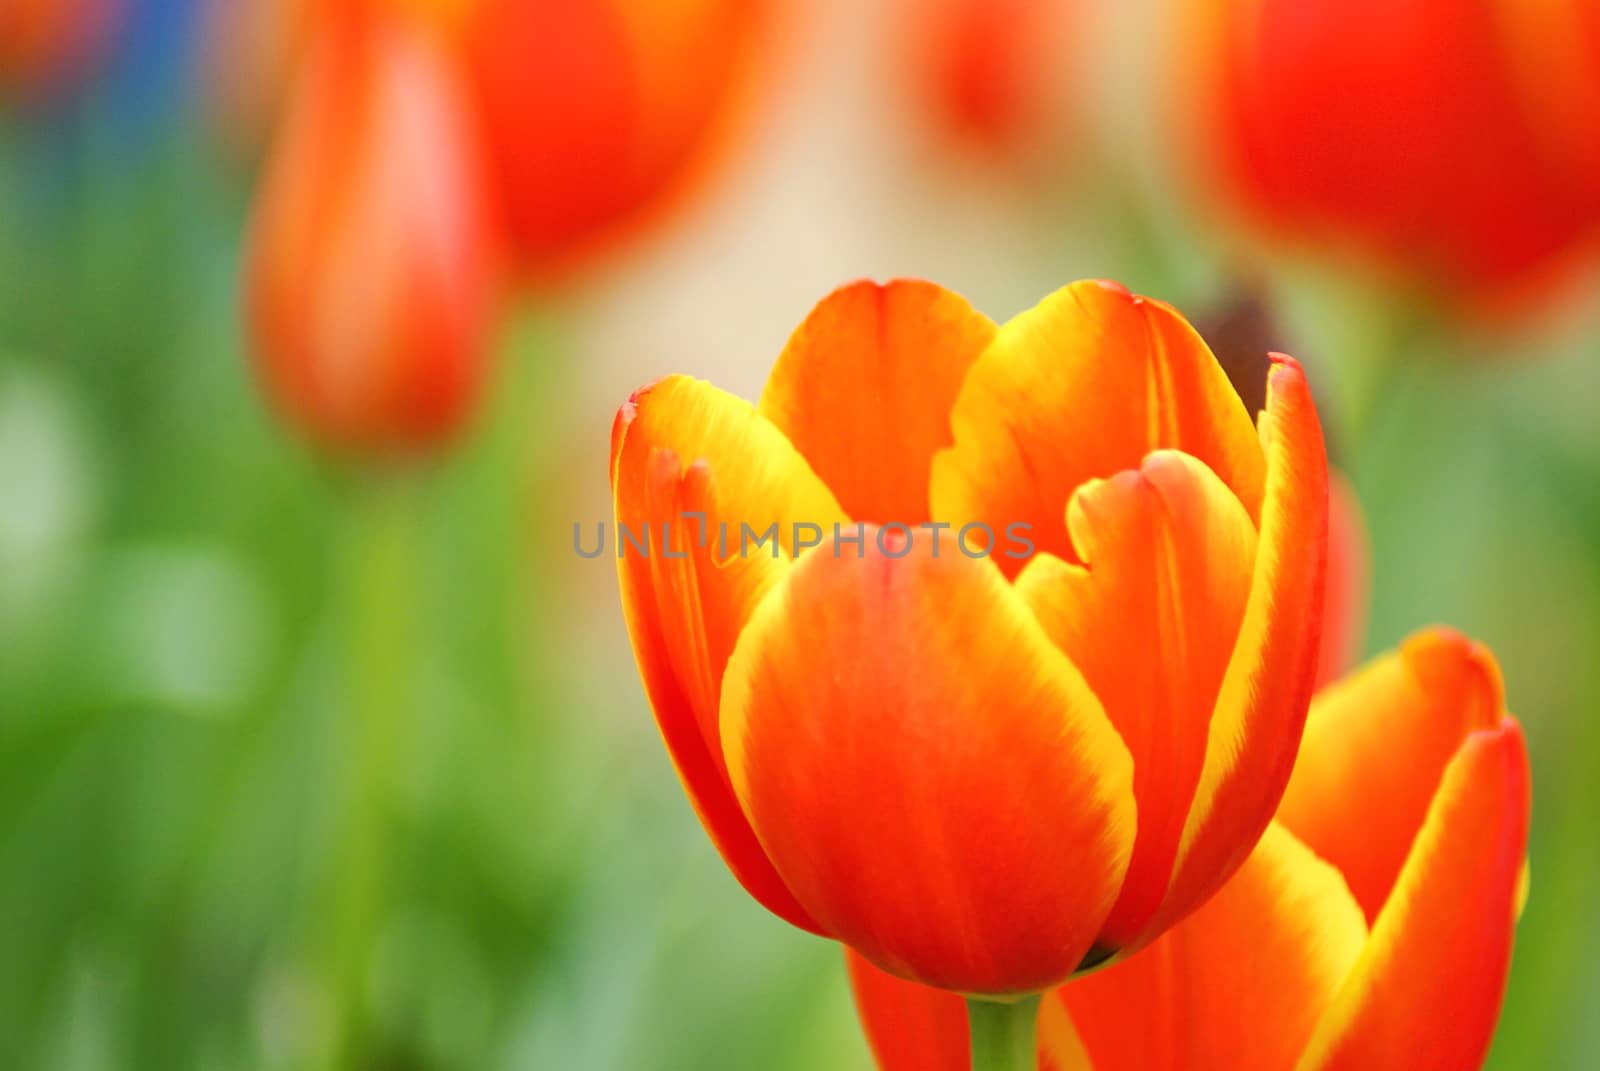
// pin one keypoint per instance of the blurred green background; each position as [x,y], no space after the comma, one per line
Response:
[302,766]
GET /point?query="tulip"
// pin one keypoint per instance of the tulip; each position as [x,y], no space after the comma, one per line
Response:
[599,112]
[1453,143]
[988,73]
[1370,928]
[370,268]
[42,41]
[982,769]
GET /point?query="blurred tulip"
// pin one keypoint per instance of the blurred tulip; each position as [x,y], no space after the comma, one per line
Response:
[989,73]
[1371,928]
[600,112]
[1456,143]
[981,772]
[370,271]
[43,41]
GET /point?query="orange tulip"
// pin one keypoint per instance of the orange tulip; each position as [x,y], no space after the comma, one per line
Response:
[42,41]
[1455,142]
[370,268]
[599,112]
[982,769]
[1371,927]
[989,72]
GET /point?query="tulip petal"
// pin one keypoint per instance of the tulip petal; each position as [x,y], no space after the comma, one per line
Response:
[1240,984]
[1085,384]
[864,390]
[909,1027]
[1151,621]
[1255,731]
[1375,747]
[932,778]
[684,613]
[1426,992]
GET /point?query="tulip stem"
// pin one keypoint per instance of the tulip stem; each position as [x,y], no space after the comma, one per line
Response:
[377,614]
[1003,1033]
[1372,369]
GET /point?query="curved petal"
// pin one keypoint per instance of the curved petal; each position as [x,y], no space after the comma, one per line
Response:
[1239,984]
[1426,992]
[1085,384]
[864,390]
[1344,610]
[1375,747]
[909,1027]
[913,1027]
[931,777]
[685,602]
[1151,621]
[1255,731]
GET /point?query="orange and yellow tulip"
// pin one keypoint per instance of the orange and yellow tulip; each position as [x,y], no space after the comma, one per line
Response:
[1455,142]
[1370,928]
[371,267]
[42,41]
[599,112]
[981,769]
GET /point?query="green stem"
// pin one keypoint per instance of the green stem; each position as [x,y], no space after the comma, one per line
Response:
[1003,1033]
[1371,372]
[377,618]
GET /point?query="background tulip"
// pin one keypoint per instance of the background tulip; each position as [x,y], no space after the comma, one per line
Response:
[370,275]
[600,112]
[1378,910]
[990,75]
[1454,143]
[981,774]
[41,41]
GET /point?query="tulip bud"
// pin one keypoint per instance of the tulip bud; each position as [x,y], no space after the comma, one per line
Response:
[370,272]
[600,111]
[1455,144]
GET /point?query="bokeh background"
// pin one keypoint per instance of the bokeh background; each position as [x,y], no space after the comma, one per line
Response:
[307,763]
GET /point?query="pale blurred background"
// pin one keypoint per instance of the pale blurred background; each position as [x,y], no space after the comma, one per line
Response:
[177,885]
